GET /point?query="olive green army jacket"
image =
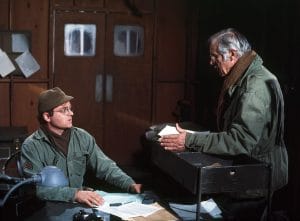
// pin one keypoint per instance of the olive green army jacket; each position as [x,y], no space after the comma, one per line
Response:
[253,123]
[83,153]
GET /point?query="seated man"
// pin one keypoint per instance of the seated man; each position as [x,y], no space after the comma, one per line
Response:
[71,149]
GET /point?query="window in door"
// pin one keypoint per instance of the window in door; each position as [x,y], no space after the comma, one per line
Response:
[80,39]
[128,40]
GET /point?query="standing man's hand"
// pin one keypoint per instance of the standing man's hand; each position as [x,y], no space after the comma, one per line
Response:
[174,142]
[89,198]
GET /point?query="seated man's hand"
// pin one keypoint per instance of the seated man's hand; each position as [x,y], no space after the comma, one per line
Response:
[89,198]
[136,188]
[174,142]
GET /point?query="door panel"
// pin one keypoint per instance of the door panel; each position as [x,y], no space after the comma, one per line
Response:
[120,109]
[76,75]
[129,113]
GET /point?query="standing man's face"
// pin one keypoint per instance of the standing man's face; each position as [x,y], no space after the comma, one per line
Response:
[218,61]
[61,118]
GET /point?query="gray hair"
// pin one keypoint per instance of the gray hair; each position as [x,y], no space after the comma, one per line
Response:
[230,39]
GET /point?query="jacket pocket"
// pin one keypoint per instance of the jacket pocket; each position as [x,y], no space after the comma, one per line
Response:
[79,164]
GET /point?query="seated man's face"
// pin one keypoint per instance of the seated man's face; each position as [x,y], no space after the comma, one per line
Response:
[61,118]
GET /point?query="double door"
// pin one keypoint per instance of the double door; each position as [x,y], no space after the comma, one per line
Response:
[104,60]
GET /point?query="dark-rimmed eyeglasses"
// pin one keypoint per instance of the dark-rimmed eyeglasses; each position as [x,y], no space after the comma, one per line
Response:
[65,110]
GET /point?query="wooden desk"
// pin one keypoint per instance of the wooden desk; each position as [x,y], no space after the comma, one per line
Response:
[210,174]
[162,214]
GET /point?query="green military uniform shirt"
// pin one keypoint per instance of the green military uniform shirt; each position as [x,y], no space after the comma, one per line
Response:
[83,153]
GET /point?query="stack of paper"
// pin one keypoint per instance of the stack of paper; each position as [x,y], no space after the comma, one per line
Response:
[188,211]
[129,210]
[125,205]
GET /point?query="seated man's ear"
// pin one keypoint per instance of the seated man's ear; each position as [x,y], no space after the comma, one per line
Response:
[46,116]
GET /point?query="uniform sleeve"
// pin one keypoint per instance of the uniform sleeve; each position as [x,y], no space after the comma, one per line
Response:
[32,164]
[30,159]
[107,169]
[64,194]
[245,129]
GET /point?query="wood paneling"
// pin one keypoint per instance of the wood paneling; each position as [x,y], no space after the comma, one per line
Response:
[63,3]
[78,77]
[168,94]
[19,101]
[33,15]
[5,104]
[116,5]
[128,113]
[134,7]
[24,104]
[171,40]
[144,5]
[4,14]
[130,109]
[89,3]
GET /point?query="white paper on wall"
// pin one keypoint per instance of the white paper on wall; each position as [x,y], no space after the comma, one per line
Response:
[6,65]
[27,64]
[19,43]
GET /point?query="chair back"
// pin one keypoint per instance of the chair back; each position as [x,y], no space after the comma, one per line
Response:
[11,139]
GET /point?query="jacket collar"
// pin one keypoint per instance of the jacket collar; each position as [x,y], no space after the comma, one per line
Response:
[238,72]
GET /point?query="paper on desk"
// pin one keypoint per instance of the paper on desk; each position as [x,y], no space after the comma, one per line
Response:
[188,210]
[119,197]
[132,205]
[129,210]
[167,130]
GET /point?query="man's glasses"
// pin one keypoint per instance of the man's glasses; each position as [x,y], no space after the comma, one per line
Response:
[65,110]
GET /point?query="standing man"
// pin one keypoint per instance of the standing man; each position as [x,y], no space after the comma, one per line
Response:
[57,142]
[250,112]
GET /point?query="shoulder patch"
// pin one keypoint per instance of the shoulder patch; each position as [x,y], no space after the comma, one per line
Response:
[28,165]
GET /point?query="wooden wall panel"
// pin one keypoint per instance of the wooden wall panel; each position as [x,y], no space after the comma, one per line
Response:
[4,14]
[24,104]
[144,5]
[4,100]
[171,40]
[168,94]
[67,3]
[116,5]
[33,15]
[135,5]
[89,3]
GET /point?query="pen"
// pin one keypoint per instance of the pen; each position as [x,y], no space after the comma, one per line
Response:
[119,204]
[115,204]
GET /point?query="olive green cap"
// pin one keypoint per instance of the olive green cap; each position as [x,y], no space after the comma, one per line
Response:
[52,98]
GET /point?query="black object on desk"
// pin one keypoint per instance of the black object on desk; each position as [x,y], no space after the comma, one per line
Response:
[206,174]
[56,211]
[82,215]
